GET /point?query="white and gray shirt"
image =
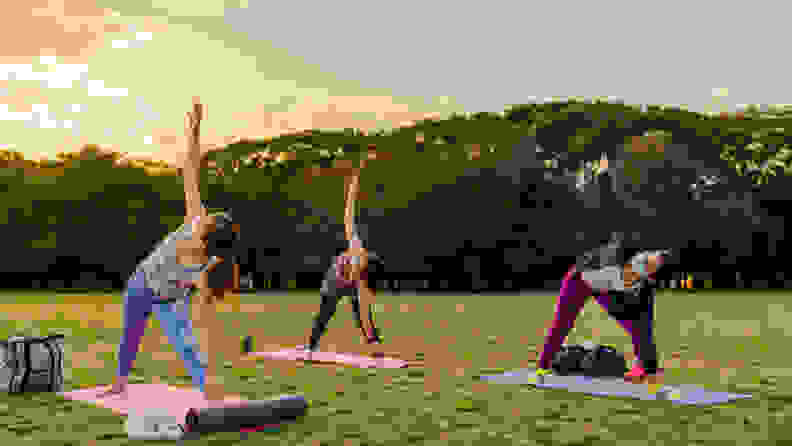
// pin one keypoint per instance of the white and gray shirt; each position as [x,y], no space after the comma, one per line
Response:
[163,272]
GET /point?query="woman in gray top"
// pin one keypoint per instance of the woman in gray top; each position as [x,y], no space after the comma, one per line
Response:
[180,263]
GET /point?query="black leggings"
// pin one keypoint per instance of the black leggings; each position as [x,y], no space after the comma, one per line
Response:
[641,313]
[328,309]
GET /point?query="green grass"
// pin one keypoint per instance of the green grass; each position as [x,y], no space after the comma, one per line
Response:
[352,406]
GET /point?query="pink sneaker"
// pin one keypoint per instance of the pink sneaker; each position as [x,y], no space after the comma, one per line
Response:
[639,372]
[636,372]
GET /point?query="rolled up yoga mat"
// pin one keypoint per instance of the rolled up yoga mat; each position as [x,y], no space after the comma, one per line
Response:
[246,415]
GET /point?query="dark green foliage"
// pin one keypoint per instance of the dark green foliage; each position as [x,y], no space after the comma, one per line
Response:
[450,207]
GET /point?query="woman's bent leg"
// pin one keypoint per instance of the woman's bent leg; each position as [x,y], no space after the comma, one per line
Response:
[176,323]
[570,301]
[640,331]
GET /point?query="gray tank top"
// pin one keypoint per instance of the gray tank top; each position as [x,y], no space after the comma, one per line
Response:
[163,272]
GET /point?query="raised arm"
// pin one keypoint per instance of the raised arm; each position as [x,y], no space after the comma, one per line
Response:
[366,295]
[607,192]
[351,201]
[192,162]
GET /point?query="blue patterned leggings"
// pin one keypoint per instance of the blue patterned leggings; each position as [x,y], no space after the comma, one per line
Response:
[173,316]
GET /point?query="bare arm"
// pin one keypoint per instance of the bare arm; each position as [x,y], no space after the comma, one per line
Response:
[367,297]
[213,338]
[236,278]
[351,200]
[192,162]
[202,287]
[366,294]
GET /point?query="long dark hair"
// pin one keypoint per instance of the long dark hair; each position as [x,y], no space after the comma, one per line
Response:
[223,240]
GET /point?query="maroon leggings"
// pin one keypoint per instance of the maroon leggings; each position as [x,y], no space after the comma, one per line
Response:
[574,292]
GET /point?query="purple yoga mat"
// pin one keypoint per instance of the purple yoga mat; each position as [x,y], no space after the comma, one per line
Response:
[616,387]
[293,354]
[176,400]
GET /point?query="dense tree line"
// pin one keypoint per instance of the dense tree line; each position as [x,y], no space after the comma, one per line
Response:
[473,202]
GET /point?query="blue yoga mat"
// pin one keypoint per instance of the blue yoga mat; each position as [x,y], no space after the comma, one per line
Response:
[617,387]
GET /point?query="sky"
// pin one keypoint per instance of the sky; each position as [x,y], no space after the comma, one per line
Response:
[122,74]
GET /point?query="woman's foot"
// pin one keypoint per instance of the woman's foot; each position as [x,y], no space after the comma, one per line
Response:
[119,387]
[374,340]
[637,372]
[638,375]
[541,373]
[308,351]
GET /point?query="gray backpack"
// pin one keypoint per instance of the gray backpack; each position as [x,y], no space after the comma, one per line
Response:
[31,364]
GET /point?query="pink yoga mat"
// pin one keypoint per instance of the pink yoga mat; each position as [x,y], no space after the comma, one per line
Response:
[176,400]
[292,354]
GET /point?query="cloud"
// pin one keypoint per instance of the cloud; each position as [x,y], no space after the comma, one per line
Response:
[190,8]
[88,75]
[266,70]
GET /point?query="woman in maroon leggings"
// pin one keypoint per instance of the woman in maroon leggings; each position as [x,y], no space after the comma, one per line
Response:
[625,290]
[622,280]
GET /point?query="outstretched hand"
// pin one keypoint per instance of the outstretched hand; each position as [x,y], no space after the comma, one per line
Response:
[194,118]
[192,128]
[119,387]
[630,277]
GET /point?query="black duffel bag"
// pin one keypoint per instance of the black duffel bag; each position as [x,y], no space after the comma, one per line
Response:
[31,364]
[602,361]
[569,360]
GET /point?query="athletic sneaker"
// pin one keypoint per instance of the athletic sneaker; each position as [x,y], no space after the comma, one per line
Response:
[639,372]
[636,372]
[541,374]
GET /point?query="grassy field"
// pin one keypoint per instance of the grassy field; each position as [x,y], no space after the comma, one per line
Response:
[721,340]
